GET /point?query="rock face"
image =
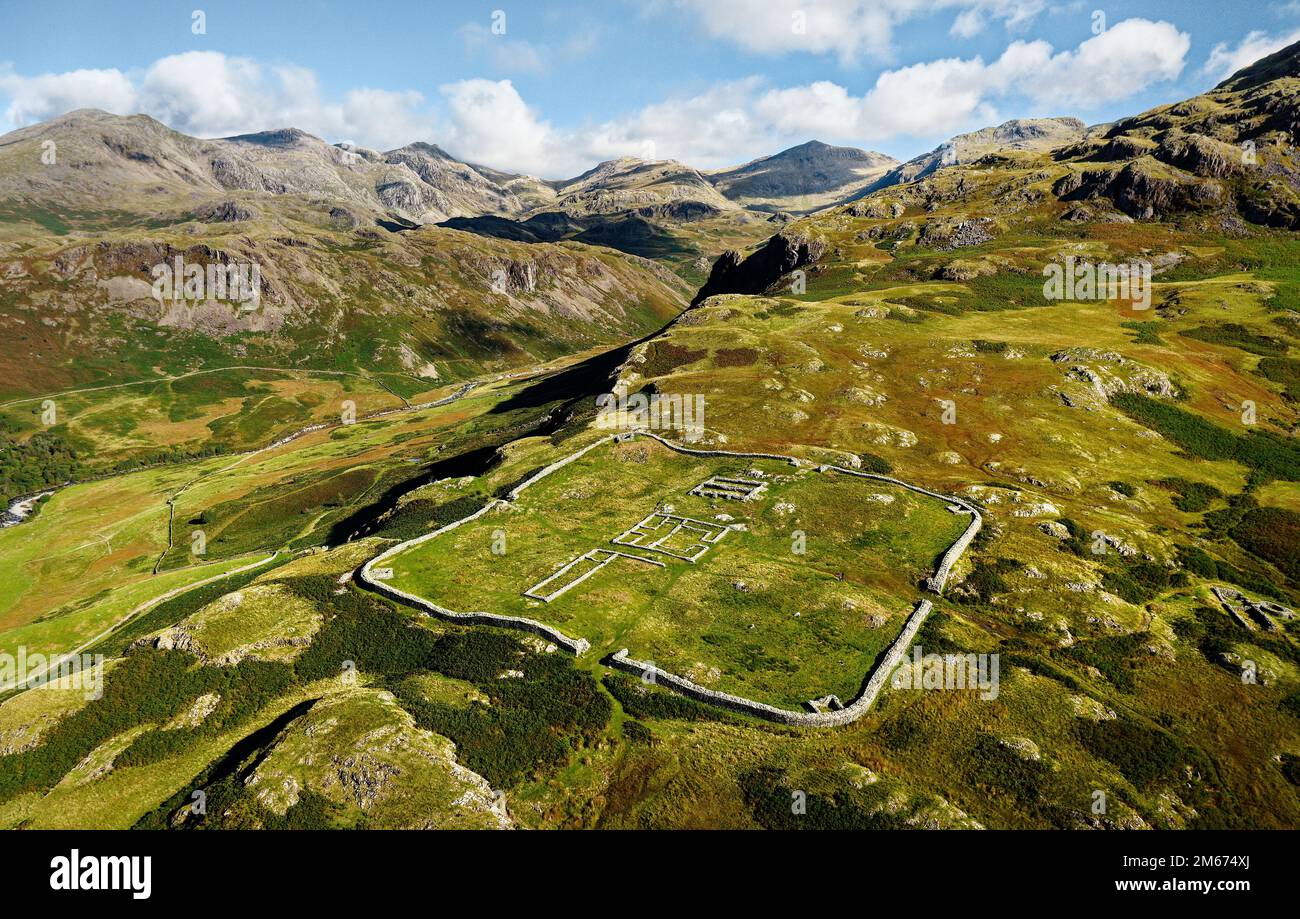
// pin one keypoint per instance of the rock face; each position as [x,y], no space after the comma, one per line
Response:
[459,187]
[343,219]
[1024,134]
[876,209]
[956,234]
[224,212]
[1106,373]
[782,254]
[681,211]
[1230,151]
[1142,189]
[1200,155]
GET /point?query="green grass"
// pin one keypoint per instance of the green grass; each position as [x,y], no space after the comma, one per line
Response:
[751,616]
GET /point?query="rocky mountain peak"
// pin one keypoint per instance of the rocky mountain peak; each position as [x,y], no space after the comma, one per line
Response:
[284,138]
[1278,65]
[802,178]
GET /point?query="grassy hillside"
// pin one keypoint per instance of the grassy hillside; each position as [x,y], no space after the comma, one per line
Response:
[1128,454]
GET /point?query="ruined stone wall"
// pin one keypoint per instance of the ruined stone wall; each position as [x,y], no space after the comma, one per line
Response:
[850,713]
[793,461]
[366,576]
[940,577]
[620,660]
[547,470]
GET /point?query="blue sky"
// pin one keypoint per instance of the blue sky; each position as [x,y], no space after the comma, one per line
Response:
[557,86]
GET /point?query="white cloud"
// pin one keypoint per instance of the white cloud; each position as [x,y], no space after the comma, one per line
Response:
[42,97]
[490,124]
[714,126]
[935,98]
[1126,58]
[208,94]
[1225,60]
[382,118]
[849,29]
[1014,13]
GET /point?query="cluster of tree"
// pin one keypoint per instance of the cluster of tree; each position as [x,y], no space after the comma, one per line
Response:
[1148,755]
[170,456]
[1123,488]
[998,770]
[1273,534]
[1190,497]
[1140,581]
[1197,561]
[986,580]
[243,690]
[1236,335]
[148,686]
[361,628]
[1116,656]
[533,722]
[42,460]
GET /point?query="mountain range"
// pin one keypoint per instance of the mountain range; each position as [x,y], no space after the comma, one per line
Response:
[918,455]
[91,201]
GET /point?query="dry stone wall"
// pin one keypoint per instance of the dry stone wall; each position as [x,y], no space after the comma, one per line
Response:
[828,719]
[572,645]
[647,670]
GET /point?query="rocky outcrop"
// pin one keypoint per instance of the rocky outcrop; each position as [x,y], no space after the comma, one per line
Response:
[680,211]
[1274,204]
[235,174]
[343,219]
[946,235]
[224,212]
[781,254]
[1143,189]
[362,751]
[1202,156]
[403,196]
[1108,372]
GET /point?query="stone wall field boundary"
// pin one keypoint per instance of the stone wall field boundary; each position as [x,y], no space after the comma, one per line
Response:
[850,713]
[620,660]
[939,579]
[547,470]
[572,645]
